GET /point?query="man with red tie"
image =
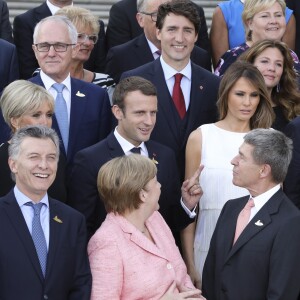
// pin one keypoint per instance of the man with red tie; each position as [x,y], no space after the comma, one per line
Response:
[177,30]
[254,251]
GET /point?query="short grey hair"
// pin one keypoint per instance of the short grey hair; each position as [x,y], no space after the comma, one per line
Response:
[61,19]
[21,97]
[36,131]
[271,147]
[141,5]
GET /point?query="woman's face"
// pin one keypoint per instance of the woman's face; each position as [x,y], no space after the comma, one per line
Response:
[42,116]
[85,36]
[151,193]
[268,24]
[270,64]
[243,99]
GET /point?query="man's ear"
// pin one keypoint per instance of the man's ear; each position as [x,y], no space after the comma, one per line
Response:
[140,19]
[265,171]
[12,165]
[118,113]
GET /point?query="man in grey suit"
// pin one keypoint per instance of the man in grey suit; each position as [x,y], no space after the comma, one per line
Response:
[254,251]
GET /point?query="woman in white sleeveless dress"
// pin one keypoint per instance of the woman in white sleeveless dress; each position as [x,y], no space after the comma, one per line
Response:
[243,104]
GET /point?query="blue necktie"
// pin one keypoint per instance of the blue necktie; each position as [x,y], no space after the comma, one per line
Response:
[38,236]
[61,114]
[136,150]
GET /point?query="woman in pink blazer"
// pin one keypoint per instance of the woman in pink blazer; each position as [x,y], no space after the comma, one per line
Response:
[133,254]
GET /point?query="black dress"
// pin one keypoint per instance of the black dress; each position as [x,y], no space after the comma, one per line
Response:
[57,190]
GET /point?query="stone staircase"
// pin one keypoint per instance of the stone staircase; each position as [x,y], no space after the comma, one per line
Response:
[99,7]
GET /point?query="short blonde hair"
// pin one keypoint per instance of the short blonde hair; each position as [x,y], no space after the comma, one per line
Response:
[80,17]
[252,7]
[21,97]
[121,180]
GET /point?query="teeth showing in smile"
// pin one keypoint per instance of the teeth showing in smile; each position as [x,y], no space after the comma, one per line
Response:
[41,175]
[179,47]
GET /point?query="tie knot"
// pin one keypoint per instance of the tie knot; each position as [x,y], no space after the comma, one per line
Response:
[36,207]
[158,52]
[58,87]
[178,77]
[250,204]
[136,150]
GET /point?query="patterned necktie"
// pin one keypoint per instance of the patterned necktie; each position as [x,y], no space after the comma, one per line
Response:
[178,97]
[136,150]
[61,114]
[38,236]
[243,219]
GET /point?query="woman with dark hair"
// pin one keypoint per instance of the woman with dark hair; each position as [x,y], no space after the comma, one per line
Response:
[274,61]
[243,105]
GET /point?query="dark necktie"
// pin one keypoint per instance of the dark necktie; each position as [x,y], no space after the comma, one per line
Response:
[178,97]
[243,219]
[38,236]
[136,150]
[61,114]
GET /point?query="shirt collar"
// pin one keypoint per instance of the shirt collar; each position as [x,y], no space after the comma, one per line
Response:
[153,48]
[262,199]
[53,8]
[22,198]
[169,72]
[127,146]
[48,81]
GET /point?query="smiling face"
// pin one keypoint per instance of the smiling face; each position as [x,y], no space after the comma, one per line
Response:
[55,64]
[270,64]
[246,172]
[268,24]
[86,45]
[137,120]
[41,116]
[177,37]
[35,167]
[243,99]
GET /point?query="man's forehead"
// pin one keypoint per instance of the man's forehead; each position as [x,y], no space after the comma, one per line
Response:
[34,145]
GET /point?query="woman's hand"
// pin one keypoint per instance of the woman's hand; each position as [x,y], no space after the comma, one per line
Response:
[195,276]
[184,293]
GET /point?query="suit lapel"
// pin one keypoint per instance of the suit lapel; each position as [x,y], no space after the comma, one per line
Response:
[115,149]
[142,50]
[262,217]
[152,154]
[17,220]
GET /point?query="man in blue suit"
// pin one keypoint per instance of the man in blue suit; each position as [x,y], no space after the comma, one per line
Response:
[135,108]
[254,251]
[23,30]
[57,266]
[177,27]
[87,106]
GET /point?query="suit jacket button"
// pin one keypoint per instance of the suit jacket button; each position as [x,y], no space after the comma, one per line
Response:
[45,297]
[169,266]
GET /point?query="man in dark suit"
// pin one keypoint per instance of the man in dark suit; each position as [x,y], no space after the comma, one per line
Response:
[23,31]
[5,27]
[254,251]
[178,24]
[291,185]
[146,47]
[43,241]
[9,72]
[135,108]
[123,26]
[87,106]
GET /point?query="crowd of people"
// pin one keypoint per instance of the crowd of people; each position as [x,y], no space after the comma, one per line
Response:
[150,160]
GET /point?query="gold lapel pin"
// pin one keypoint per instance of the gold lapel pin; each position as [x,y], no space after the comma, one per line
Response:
[56,219]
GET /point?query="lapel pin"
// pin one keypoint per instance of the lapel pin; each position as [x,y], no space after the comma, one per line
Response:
[78,94]
[201,87]
[56,219]
[259,223]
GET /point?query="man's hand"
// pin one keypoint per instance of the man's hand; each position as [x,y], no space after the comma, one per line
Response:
[191,190]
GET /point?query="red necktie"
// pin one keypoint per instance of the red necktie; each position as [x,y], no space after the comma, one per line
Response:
[243,219]
[178,96]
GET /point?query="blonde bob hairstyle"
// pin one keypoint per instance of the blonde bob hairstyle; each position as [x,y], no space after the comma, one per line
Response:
[121,180]
[252,7]
[287,96]
[264,115]
[22,97]
[80,17]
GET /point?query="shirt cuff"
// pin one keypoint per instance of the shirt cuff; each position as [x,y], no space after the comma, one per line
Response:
[192,214]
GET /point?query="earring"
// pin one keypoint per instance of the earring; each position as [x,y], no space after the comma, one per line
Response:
[278,88]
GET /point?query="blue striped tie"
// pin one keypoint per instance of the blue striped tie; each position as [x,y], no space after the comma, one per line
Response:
[38,236]
[61,114]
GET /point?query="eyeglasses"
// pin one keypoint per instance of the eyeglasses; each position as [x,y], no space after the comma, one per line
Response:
[82,37]
[58,47]
[152,15]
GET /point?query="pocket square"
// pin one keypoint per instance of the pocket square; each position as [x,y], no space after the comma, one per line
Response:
[78,94]
[56,219]
[259,223]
